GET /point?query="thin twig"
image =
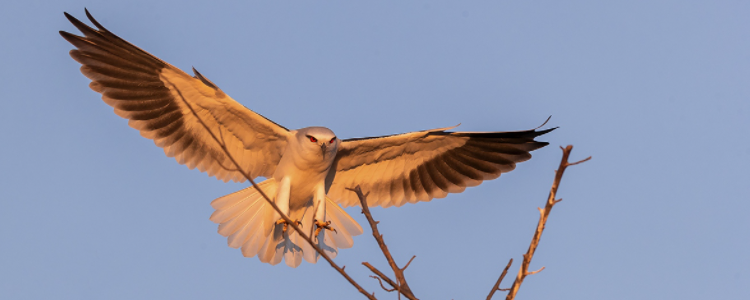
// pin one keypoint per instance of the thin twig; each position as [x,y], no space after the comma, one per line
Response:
[381,284]
[381,275]
[544,213]
[408,263]
[534,272]
[499,280]
[401,286]
[275,207]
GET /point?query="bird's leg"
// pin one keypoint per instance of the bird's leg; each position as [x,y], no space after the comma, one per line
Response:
[320,211]
[282,201]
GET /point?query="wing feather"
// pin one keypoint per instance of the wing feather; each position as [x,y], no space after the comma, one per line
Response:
[189,117]
[396,190]
[423,165]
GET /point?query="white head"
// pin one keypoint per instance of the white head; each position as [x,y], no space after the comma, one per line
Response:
[318,140]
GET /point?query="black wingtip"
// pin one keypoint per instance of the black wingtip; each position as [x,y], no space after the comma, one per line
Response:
[542,132]
[93,21]
[65,34]
[545,123]
[71,18]
[85,29]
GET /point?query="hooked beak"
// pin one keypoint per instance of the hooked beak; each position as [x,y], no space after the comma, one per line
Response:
[323,149]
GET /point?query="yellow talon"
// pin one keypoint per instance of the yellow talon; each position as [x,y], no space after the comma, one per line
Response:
[286,225]
[323,225]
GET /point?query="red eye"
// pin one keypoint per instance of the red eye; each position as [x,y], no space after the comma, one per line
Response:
[312,139]
[332,140]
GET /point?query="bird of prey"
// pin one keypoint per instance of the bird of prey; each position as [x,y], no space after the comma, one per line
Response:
[308,170]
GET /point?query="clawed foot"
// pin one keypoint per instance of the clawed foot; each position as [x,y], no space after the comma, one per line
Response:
[323,225]
[286,225]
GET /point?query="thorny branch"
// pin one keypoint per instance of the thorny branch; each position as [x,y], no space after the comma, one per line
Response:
[400,285]
[544,213]
[289,221]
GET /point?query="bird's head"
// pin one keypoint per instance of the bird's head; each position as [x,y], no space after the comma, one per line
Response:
[319,140]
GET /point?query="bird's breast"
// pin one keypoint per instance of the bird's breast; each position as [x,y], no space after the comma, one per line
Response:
[305,175]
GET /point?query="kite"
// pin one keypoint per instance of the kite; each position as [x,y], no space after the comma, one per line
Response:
[309,171]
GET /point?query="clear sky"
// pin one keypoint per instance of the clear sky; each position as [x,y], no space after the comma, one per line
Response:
[656,91]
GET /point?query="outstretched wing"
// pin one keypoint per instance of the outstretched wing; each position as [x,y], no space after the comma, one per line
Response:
[189,117]
[422,165]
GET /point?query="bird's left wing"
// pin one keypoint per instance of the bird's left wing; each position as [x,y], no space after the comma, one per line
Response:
[422,165]
[189,117]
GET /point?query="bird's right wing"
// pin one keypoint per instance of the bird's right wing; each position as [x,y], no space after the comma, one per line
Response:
[189,117]
[422,165]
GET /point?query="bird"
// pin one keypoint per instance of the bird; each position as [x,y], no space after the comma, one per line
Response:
[309,171]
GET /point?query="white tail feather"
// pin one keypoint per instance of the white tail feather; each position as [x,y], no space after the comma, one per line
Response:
[249,222]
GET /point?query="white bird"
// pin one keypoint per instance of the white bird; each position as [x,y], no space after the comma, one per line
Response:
[308,170]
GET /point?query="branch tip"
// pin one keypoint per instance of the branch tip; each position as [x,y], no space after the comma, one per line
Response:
[580,161]
[499,280]
[400,284]
[408,263]
[534,272]
[544,213]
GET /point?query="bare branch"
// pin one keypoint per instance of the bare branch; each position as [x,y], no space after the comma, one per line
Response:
[289,221]
[402,286]
[544,213]
[381,284]
[499,280]
[381,275]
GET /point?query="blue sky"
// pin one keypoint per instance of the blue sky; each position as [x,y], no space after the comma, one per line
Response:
[656,91]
